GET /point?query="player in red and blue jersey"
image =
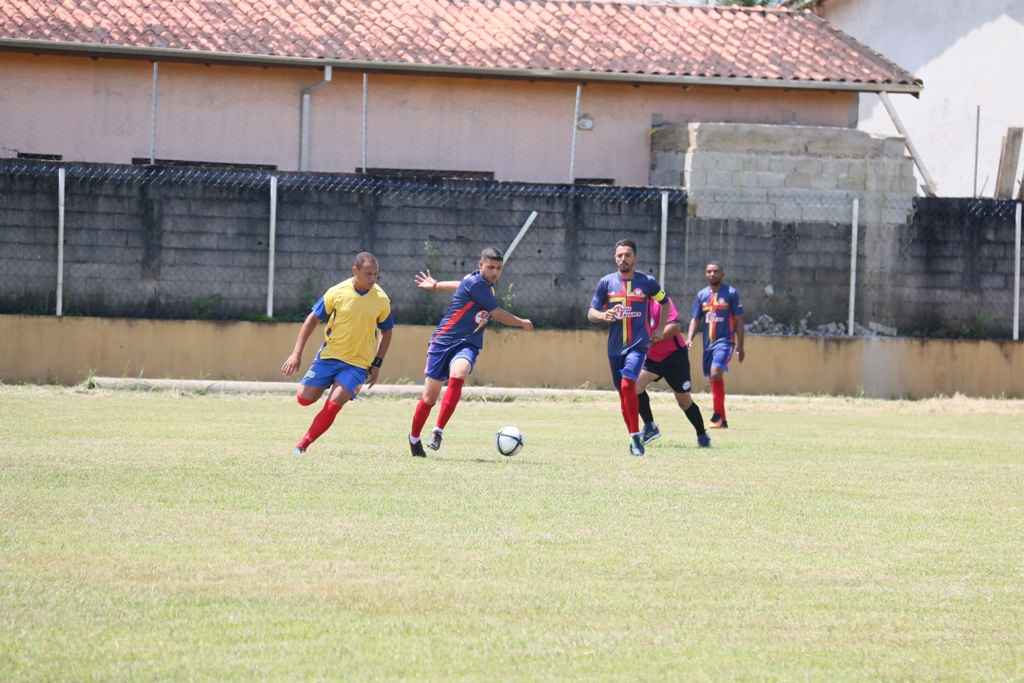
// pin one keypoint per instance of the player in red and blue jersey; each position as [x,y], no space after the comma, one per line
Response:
[718,311]
[457,342]
[668,358]
[621,299]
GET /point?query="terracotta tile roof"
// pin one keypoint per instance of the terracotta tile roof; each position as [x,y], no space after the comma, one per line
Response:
[553,38]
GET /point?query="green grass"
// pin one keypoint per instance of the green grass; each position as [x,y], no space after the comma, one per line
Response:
[169,536]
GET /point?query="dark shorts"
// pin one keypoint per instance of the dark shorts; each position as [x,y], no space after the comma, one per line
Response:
[717,357]
[674,369]
[439,361]
[627,366]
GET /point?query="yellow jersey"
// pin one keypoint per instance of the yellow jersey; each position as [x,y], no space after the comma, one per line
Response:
[352,320]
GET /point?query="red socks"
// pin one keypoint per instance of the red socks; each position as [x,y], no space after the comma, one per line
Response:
[321,423]
[630,405]
[419,417]
[718,396]
[450,400]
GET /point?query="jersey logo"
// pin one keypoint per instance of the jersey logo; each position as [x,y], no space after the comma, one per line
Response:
[481,318]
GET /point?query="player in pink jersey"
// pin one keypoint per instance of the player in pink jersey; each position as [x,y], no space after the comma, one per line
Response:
[667,357]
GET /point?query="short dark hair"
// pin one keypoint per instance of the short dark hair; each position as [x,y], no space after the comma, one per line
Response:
[715,264]
[492,254]
[626,243]
[362,258]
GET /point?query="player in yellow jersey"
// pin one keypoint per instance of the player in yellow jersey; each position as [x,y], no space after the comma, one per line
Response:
[352,353]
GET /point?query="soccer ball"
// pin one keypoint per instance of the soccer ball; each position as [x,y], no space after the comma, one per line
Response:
[509,441]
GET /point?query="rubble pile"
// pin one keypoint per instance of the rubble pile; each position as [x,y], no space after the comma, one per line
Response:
[765,324]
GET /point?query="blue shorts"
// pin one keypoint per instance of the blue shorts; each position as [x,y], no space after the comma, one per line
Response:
[627,365]
[439,361]
[717,357]
[323,373]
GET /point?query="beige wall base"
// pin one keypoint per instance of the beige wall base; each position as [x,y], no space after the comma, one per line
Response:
[67,350]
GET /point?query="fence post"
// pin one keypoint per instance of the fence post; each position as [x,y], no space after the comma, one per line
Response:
[1016,279]
[61,176]
[272,246]
[854,229]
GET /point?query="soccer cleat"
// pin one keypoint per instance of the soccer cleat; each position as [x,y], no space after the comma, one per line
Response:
[715,417]
[636,446]
[704,441]
[721,424]
[417,449]
[435,442]
[298,452]
[651,432]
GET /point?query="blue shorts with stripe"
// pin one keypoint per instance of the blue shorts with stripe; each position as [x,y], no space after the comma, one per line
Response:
[626,365]
[439,360]
[717,357]
[323,373]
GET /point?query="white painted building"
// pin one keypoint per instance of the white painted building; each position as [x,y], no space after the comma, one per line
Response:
[968,54]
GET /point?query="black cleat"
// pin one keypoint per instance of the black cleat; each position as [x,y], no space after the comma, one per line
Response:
[417,449]
[435,442]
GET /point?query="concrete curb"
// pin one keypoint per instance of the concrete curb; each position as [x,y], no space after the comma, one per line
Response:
[288,388]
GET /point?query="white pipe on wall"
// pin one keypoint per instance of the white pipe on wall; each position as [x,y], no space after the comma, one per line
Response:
[572,144]
[155,106]
[60,213]
[854,229]
[306,101]
[272,246]
[366,94]
[664,239]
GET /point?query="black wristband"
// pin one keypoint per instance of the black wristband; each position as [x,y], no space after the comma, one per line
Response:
[377,362]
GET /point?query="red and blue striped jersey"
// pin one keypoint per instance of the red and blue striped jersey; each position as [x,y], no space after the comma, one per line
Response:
[717,313]
[467,314]
[629,299]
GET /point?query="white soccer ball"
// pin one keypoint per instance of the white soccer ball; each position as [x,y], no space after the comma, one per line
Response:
[509,441]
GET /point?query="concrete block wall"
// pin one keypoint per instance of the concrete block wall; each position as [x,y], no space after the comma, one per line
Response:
[166,250]
[787,173]
[187,251]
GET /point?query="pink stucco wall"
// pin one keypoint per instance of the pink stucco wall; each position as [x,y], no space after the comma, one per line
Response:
[99,110]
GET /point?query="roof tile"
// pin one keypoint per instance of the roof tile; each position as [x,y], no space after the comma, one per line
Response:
[523,35]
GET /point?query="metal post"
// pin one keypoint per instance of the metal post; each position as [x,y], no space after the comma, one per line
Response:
[853,264]
[519,236]
[664,238]
[1016,280]
[366,89]
[977,144]
[572,145]
[153,113]
[929,182]
[272,246]
[60,212]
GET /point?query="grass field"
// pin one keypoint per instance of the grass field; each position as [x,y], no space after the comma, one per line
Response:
[173,536]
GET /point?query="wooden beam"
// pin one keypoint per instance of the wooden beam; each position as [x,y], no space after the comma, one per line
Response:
[1009,156]
[929,183]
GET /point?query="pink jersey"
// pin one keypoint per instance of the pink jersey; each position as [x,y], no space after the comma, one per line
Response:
[659,351]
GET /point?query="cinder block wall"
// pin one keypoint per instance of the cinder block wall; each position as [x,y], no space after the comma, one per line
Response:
[785,173]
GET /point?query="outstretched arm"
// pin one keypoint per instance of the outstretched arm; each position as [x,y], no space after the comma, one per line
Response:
[506,318]
[424,280]
[294,360]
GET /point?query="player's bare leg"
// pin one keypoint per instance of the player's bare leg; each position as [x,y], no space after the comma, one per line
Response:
[458,371]
[322,421]
[431,390]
